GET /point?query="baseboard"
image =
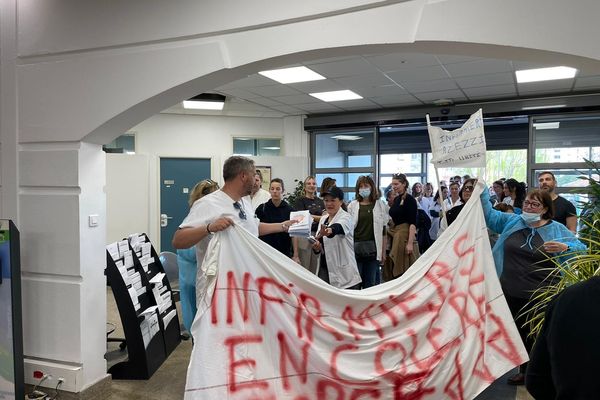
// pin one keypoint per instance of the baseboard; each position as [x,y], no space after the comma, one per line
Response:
[100,390]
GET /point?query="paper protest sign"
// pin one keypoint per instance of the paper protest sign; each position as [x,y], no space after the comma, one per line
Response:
[462,147]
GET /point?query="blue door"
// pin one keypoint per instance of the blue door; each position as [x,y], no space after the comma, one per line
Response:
[178,176]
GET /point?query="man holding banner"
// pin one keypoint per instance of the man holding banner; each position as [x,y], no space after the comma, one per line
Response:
[271,330]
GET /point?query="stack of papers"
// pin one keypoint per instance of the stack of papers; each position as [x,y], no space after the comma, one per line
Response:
[302,227]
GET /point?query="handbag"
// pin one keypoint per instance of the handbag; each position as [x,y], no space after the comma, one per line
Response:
[365,249]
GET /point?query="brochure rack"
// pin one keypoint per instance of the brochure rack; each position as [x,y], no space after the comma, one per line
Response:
[146,307]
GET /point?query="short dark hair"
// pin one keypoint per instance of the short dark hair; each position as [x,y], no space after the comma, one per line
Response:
[543,197]
[235,165]
[547,173]
[278,180]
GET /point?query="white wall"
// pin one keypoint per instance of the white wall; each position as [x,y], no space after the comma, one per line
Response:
[190,136]
[127,198]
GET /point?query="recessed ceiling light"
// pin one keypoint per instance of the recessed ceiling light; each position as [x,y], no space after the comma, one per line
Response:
[202,105]
[336,95]
[292,75]
[545,74]
[546,125]
[346,137]
[205,101]
[543,107]
[271,148]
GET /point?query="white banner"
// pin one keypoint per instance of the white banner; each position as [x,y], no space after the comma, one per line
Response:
[269,329]
[462,147]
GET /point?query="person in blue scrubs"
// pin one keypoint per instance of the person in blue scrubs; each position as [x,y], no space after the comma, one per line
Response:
[186,261]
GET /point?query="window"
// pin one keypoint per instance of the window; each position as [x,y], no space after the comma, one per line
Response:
[566,139]
[344,155]
[256,147]
[123,144]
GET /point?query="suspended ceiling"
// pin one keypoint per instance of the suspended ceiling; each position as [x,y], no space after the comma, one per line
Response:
[391,81]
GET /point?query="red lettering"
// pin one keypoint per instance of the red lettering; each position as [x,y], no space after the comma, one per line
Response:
[299,365]
[234,364]
[312,316]
[322,387]
[232,289]
[262,285]
[361,393]
[334,369]
[348,316]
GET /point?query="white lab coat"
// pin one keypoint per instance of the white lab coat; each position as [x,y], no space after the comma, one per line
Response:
[381,217]
[339,252]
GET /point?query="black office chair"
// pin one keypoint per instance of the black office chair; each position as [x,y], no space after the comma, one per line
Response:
[169,262]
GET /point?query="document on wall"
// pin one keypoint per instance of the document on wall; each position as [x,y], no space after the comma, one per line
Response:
[302,227]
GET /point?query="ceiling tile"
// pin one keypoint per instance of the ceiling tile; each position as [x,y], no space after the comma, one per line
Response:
[328,60]
[389,101]
[455,95]
[239,93]
[396,61]
[478,67]
[380,91]
[560,85]
[518,65]
[295,99]
[430,86]
[354,66]
[251,81]
[503,78]
[265,101]
[288,110]
[274,90]
[366,80]
[325,85]
[453,59]
[418,74]
[361,104]
[590,82]
[489,91]
[320,107]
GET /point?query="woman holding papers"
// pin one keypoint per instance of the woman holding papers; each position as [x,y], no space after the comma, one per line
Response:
[370,217]
[186,261]
[335,243]
[277,210]
[523,255]
[315,206]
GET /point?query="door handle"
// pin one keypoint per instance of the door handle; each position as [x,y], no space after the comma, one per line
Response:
[164,220]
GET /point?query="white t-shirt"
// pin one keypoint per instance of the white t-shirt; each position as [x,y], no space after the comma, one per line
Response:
[260,197]
[216,205]
[450,204]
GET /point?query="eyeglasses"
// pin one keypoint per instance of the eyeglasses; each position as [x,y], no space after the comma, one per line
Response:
[400,177]
[238,207]
[532,204]
[468,188]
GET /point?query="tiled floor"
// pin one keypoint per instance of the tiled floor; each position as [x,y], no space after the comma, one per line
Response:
[169,381]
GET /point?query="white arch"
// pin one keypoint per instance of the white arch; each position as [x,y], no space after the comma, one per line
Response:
[110,88]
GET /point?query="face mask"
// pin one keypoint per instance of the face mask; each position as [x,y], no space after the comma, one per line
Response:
[530,217]
[364,193]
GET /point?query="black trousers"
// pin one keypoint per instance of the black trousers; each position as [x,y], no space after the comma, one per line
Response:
[516,304]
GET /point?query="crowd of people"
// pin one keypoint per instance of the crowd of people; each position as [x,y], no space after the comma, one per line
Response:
[371,239]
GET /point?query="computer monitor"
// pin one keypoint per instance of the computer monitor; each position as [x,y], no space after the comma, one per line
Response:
[11,339]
